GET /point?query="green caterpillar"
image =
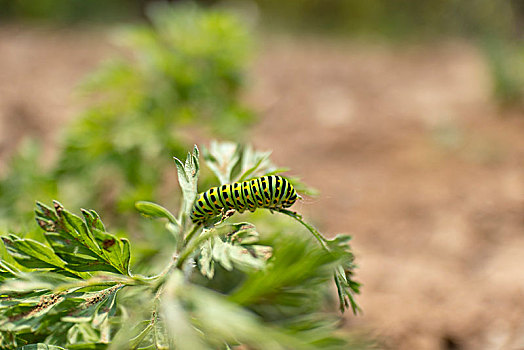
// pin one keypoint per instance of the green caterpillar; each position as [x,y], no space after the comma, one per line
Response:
[271,192]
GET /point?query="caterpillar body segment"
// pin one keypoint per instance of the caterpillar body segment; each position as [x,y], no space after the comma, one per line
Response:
[270,192]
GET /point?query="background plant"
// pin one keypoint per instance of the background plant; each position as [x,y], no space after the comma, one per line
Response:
[184,69]
[495,26]
[223,286]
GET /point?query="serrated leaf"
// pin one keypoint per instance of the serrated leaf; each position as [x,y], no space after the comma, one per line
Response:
[94,306]
[224,159]
[83,245]
[339,248]
[78,228]
[232,252]
[232,162]
[93,219]
[255,163]
[29,316]
[115,250]
[32,281]
[76,246]
[205,261]
[188,177]
[244,235]
[134,342]
[105,309]
[229,255]
[46,211]
[32,254]
[347,288]
[81,334]
[249,173]
[160,335]
[7,271]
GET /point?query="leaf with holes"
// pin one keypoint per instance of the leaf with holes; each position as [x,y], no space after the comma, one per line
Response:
[83,244]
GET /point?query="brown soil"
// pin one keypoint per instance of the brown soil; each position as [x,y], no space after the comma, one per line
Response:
[406,145]
[39,69]
[413,158]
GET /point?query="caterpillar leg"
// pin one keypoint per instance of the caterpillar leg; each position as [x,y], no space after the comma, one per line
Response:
[289,212]
[225,214]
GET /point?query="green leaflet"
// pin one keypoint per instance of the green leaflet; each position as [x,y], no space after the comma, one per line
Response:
[224,159]
[32,254]
[59,295]
[234,247]
[7,271]
[155,211]
[343,272]
[187,177]
[83,245]
[232,162]
[347,288]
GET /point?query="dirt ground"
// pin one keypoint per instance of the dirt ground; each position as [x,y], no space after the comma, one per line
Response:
[411,154]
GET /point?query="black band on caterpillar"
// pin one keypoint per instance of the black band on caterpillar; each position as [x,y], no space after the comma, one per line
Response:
[270,192]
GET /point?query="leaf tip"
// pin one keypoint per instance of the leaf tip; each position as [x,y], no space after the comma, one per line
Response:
[178,162]
[58,206]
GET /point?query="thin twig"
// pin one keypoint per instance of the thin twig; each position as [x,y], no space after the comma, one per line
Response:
[321,239]
[190,235]
[192,245]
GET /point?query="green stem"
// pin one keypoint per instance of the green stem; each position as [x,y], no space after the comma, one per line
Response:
[192,245]
[190,235]
[321,239]
[183,251]
[161,278]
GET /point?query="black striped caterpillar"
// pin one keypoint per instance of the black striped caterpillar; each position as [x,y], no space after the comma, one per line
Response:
[270,192]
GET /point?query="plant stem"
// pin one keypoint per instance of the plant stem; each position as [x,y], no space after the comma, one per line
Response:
[321,239]
[190,235]
[161,278]
[192,245]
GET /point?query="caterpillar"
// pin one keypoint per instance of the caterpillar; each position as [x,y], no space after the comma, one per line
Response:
[270,192]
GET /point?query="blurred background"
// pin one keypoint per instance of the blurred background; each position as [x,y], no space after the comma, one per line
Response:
[407,116]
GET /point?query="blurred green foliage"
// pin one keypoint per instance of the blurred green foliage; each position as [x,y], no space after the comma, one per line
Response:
[393,19]
[178,78]
[506,63]
[402,18]
[496,25]
[185,77]
[70,11]
[24,179]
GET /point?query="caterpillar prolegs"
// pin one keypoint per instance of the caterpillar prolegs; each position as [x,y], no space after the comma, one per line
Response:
[270,192]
